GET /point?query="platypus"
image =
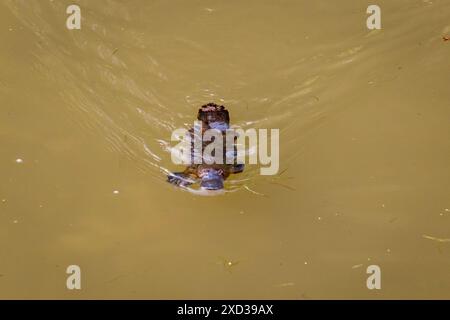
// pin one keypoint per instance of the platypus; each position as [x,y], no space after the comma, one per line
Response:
[211,176]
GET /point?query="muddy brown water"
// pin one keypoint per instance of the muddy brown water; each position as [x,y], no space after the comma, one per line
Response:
[364,137]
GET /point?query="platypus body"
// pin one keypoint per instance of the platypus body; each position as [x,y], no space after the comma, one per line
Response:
[210,176]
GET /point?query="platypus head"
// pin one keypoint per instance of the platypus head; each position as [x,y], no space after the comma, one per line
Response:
[211,179]
[214,116]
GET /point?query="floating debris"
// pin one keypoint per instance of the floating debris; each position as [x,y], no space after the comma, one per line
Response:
[115,278]
[286,284]
[18,160]
[436,239]
[116,192]
[304,296]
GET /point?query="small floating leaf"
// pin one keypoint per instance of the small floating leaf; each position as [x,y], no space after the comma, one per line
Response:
[436,239]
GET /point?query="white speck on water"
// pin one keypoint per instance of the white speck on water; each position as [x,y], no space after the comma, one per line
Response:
[357,266]
[306,262]
[3,200]
[16,221]
[368,259]
[241,212]
[388,250]
[383,206]
[116,191]
[447,210]
[319,218]
[18,160]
